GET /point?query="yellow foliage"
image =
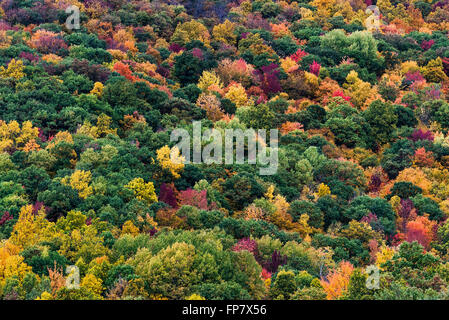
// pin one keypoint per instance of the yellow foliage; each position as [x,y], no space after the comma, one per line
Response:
[143,191]
[98,89]
[26,230]
[52,58]
[395,202]
[359,90]
[189,31]
[103,125]
[14,70]
[433,71]
[11,135]
[92,284]
[79,180]
[237,94]
[171,160]
[312,80]
[417,177]
[126,38]
[409,66]
[385,254]
[269,194]
[61,136]
[304,229]
[101,129]
[323,190]
[289,65]
[209,79]
[45,296]
[129,228]
[224,32]
[5,39]
[195,297]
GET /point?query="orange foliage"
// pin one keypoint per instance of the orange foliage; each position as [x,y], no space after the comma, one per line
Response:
[422,230]
[337,281]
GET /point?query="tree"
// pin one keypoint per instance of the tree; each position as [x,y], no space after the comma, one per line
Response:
[224,32]
[359,90]
[433,71]
[421,230]
[189,31]
[79,181]
[170,160]
[14,70]
[283,286]
[142,191]
[338,280]
[382,120]
[171,272]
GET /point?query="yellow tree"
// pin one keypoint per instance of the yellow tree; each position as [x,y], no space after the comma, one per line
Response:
[92,284]
[14,70]
[98,89]
[11,135]
[237,94]
[11,263]
[224,32]
[171,160]
[26,230]
[433,71]
[142,191]
[359,90]
[209,79]
[79,181]
[189,31]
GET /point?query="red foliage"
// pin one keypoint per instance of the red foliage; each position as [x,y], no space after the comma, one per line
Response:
[258,92]
[193,198]
[47,42]
[246,244]
[167,194]
[265,274]
[298,55]
[426,45]
[421,135]
[315,68]
[37,206]
[124,70]
[413,76]
[340,93]
[268,77]
[421,230]
[406,213]
[197,53]
[423,157]
[6,217]
[174,47]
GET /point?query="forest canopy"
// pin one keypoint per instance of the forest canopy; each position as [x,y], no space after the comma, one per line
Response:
[87,183]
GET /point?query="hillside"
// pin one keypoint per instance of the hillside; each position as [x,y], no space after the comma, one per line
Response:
[98,201]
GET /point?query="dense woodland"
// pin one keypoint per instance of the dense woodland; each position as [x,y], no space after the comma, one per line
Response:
[86,177]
